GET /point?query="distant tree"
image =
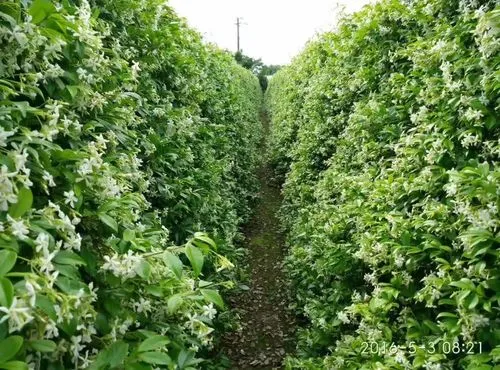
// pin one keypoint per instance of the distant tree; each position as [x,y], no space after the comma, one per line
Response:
[254,65]
[265,72]
[261,70]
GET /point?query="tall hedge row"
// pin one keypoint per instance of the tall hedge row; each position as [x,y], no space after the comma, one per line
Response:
[124,142]
[386,132]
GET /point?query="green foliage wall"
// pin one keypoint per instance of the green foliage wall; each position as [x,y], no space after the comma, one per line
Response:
[386,133]
[122,136]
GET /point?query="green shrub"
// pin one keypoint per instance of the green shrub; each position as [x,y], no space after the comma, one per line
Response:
[387,132]
[122,136]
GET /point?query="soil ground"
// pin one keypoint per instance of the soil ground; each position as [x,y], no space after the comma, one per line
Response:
[267,329]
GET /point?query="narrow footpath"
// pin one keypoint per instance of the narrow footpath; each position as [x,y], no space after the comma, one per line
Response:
[267,329]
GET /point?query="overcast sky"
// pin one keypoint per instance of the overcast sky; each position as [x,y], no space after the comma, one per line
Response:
[275,30]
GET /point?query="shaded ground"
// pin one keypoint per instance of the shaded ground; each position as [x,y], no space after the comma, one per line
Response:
[267,329]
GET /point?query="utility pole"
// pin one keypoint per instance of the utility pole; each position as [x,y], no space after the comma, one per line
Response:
[238,24]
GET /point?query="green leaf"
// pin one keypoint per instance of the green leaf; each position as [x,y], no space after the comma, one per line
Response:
[174,302]
[9,347]
[155,358]
[464,283]
[205,239]
[24,202]
[137,366]
[112,356]
[432,326]
[154,290]
[41,9]
[186,358]
[67,155]
[46,305]
[144,270]
[117,353]
[128,235]
[213,296]
[7,261]
[153,343]
[493,284]
[6,292]
[174,263]
[68,258]
[109,221]
[43,345]
[10,12]
[73,90]
[14,365]
[70,286]
[195,257]
[472,301]
[447,314]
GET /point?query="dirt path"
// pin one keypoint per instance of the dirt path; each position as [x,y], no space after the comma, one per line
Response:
[267,330]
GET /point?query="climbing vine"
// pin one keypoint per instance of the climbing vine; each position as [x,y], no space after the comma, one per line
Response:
[127,150]
[386,133]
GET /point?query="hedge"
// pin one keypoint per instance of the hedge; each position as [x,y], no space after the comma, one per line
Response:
[386,133]
[127,149]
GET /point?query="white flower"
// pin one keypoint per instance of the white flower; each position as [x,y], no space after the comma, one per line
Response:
[76,347]
[51,330]
[370,278]
[7,193]
[124,266]
[111,187]
[472,115]
[406,277]
[71,199]
[49,178]
[144,305]
[342,316]
[101,142]
[74,242]
[31,292]
[123,327]
[485,218]
[135,69]
[400,357]
[470,140]
[46,261]
[209,311]
[93,291]
[4,135]
[356,297]
[42,242]
[478,321]
[59,314]
[85,361]
[384,30]
[190,283]
[78,297]
[439,46]
[399,260]
[18,228]
[192,321]
[18,314]
[20,158]
[18,35]
[430,366]
[451,189]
